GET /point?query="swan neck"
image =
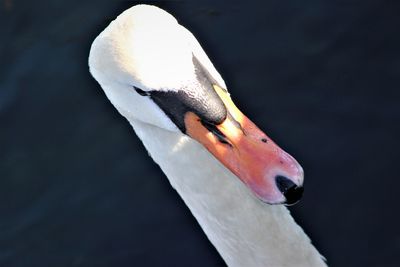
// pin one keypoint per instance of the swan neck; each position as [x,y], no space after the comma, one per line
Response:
[245,231]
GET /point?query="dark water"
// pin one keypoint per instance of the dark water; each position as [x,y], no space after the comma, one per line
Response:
[78,189]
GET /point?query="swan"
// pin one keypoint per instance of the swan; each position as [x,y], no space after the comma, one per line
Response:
[229,173]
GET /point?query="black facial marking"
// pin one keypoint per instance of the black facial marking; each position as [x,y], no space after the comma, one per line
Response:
[213,129]
[200,98]
[141,92]
[202,72]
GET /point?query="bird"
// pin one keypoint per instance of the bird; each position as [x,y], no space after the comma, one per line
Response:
[234,179]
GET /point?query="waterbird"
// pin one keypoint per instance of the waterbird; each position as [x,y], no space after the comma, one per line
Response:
[230,174]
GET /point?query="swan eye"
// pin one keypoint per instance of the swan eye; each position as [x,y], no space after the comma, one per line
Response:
[141,92]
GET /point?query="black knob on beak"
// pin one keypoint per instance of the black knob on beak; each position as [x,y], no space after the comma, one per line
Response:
[290,190]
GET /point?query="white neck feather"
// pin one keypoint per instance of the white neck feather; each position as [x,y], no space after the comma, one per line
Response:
[245,231]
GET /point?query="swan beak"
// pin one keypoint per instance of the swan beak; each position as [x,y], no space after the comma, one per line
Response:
[272,175]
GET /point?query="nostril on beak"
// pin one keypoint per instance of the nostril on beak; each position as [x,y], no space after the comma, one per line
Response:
[290,190]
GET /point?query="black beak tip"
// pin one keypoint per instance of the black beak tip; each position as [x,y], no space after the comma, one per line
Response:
[289,189]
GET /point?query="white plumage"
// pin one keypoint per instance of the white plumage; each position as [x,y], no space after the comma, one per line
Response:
[146,47]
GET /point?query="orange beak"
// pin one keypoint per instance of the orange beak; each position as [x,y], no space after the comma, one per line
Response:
[273,175]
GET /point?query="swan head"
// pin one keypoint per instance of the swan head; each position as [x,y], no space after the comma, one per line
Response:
[154,70]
